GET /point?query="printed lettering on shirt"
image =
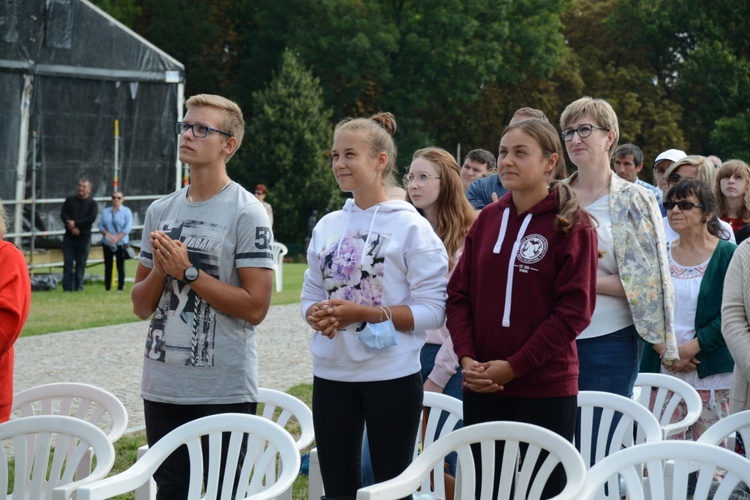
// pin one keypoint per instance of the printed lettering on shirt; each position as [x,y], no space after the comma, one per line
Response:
[184,325]
[533,248]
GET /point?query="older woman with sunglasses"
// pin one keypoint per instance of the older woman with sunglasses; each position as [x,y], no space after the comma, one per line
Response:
[700,168]
[634,297]
[698,262]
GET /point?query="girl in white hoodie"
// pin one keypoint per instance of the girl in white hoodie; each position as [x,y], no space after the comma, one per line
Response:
[376,281]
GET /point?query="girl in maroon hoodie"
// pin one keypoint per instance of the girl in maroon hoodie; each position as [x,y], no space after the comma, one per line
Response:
[523,290]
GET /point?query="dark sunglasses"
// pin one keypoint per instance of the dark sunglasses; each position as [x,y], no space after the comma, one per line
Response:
[682,205]
[117,197]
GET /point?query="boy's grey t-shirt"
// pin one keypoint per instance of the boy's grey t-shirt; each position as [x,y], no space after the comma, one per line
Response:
[195,354]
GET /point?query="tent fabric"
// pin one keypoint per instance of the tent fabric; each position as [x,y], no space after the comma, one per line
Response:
[67,72]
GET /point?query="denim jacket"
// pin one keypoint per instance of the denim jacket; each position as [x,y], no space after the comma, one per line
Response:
[641,255]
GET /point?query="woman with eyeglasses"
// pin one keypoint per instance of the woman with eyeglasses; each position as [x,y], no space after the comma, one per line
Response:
[523,290]
[698,262]
[732,193]
[699,168]
[634,297]
[260,191]
[375,284]
[115,225]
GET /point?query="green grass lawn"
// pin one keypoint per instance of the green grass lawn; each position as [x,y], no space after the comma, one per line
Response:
[55,311]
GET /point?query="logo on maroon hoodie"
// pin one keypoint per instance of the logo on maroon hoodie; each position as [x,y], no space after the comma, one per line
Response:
[533,248]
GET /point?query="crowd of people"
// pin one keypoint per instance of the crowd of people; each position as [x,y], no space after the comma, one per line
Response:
[504,282]
[624,276]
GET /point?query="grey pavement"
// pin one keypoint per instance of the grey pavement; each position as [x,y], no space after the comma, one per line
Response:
[111,357]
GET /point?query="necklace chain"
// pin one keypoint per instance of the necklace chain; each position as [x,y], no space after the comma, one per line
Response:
[190,198]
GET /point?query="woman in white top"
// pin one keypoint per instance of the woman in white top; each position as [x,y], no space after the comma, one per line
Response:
[633,262]
[376,282]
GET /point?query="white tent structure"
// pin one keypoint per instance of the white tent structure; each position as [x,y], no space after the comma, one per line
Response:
[81,95]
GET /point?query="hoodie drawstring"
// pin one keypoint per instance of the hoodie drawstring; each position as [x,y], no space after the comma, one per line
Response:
[348,210]
[511,264]
[369,233]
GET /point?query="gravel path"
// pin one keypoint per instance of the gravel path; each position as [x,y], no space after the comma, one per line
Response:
[111,357]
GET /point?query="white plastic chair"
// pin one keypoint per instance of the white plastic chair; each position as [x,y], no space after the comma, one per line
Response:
[447,405]
[669,392]
[268,446]
[725,429]
[281,408]
[628,422]
[279,250]
[515,475]
[687,456]
[84,401]
[47,450]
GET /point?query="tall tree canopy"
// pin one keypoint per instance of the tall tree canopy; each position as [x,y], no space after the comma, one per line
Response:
[677,72]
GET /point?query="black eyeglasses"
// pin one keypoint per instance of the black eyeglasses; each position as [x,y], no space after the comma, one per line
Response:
[259,192]
[199,131]
[583,131]
[682,205]
[674,178]
[117,197]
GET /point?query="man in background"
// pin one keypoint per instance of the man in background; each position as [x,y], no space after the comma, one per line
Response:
[628,163]
[78,214]
[488,189]
[661,164]
[476,165]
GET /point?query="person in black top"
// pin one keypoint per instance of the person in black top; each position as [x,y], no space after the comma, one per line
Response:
[78,214]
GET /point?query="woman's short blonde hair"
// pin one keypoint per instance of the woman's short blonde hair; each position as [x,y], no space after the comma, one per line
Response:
[599,109]
[705,169]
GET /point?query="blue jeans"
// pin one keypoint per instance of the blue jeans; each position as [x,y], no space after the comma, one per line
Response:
[75,254]
[453,388]
[609,363]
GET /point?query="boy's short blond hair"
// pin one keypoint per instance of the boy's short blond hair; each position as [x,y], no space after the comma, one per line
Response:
[232,122]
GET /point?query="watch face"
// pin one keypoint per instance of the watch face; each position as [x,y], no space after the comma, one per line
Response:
[191,274]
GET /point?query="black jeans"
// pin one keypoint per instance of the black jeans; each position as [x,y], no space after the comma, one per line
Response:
[172,478]
[556,414]
[75,254]
[391,410]
[109,256]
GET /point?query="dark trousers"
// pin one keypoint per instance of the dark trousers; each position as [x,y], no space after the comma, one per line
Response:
[172,478]
[119,256]
[556,414]
[390,408]
[75,253]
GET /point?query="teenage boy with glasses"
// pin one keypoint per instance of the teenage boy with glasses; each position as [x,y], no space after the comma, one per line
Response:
[205,274]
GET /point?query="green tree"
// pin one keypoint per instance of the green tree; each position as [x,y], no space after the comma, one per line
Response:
[699,55]
[288,138]
[730,137]
[611,66]
[125,11]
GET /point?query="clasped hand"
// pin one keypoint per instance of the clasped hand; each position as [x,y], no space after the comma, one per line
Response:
[333,314]
[170,256]
[487,377]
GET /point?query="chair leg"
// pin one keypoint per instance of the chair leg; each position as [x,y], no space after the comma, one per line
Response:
[315,487]
[146,491]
